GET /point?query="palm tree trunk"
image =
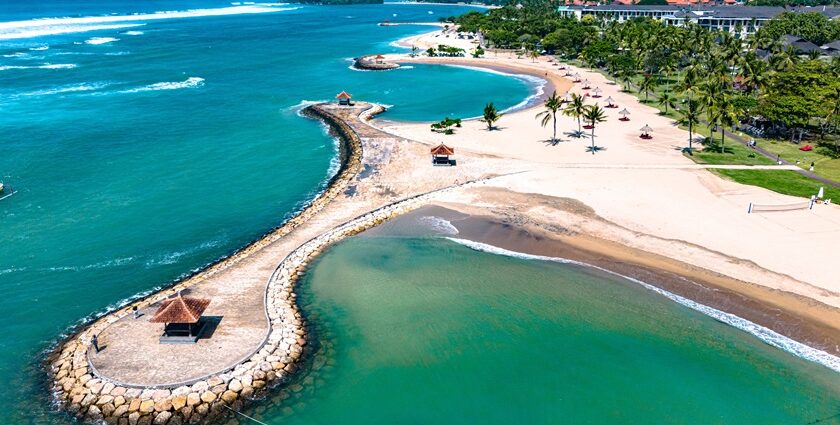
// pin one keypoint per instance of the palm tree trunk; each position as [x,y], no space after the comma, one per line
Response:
[593,138]
[579,128]
[690,136]
[554,136]
[722,139]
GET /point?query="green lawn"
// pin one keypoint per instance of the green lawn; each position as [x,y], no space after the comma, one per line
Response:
[786,182]
[825,166]
[733,153]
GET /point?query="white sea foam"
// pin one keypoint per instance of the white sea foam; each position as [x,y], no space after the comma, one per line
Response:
[299,107]
[769,336]
[439,225]
[191,82]
[45,47]
[53,26]
[101,40]
[117,53]
[16,55]
[174,257]
[42,66]
[85,87]
[101,265]
[134,33]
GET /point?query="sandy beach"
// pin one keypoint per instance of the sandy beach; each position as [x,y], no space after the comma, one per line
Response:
[642,202]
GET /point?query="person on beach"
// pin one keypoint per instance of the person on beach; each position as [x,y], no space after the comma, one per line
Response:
[135,312]
[95,342]
[812,166]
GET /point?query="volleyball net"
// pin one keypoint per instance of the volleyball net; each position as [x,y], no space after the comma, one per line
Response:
[803,205]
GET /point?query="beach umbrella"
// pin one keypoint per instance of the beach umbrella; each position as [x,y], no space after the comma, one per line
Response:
[646,129]
[597,92]
[609,100]
[624,113]
[586,84]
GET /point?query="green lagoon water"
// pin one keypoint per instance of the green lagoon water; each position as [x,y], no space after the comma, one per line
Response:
[426,331]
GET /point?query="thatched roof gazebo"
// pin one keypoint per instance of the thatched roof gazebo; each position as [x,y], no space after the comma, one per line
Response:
[344,98]
[624,115]
[441,153]
[181,318]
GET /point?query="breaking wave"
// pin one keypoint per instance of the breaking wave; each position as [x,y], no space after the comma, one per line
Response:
[134,33]
[439,225]
[766,335]
[54,26]
[101,40]
[191,82]
[67,89]
[42,66]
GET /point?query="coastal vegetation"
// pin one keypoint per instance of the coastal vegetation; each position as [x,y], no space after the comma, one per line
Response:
[491,115]
[446,125]
[715,84]
[445,51]
[552,105]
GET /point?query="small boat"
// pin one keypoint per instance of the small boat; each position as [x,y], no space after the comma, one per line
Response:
[1,187]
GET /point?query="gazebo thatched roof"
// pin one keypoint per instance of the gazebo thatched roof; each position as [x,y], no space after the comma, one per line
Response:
[180,310]
[343,95]
[443,150]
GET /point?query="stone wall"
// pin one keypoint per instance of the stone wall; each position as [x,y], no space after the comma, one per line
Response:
[93,398]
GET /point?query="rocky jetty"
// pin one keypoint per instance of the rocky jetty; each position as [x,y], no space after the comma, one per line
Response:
[374,63]
[81,390]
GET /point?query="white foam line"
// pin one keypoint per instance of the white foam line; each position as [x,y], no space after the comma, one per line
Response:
[51,26]
[43,66]
[191,82]
[101,40]
[769,336]
[537,83]
[67,89]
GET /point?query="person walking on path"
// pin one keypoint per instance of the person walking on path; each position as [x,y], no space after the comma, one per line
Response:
[135,312]
[95,342]
[812,166]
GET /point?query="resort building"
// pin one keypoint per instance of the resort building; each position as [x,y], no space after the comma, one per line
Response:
[735,19]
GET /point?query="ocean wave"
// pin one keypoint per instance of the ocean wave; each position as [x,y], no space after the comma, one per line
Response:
[174,257]
[133,33]
[300,106]
[101,265]
[57,29]
[53,26]
[101,40]
[42,66]
[45,47]
[11,270]
[67,89]
[117,53]
[766,335]
[16,55]
[191,82]
[439,225]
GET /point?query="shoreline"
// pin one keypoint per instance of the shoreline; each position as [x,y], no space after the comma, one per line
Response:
[704,291]
[65,363]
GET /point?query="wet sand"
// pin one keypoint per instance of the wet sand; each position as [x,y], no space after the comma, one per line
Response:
[797,317]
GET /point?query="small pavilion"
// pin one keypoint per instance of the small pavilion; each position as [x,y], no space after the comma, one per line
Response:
[379,58]
[441,153]
[181,318]
[344,98]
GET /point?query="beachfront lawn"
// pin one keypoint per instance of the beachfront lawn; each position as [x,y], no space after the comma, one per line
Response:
[781,181]
[733,153]
[825,165]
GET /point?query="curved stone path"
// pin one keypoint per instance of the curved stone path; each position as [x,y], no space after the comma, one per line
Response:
[260,337]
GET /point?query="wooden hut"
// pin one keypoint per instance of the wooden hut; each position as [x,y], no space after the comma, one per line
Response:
[181,318]
[441,154]
[344,98]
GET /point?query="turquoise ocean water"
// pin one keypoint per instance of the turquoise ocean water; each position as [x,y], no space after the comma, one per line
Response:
[419,330]
[144,147]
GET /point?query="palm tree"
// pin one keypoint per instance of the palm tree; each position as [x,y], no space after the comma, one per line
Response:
[491,115]
[648,84]
[594,114]
[575,109]
[666,99]
[690,117]
[725,116]
[552,105]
